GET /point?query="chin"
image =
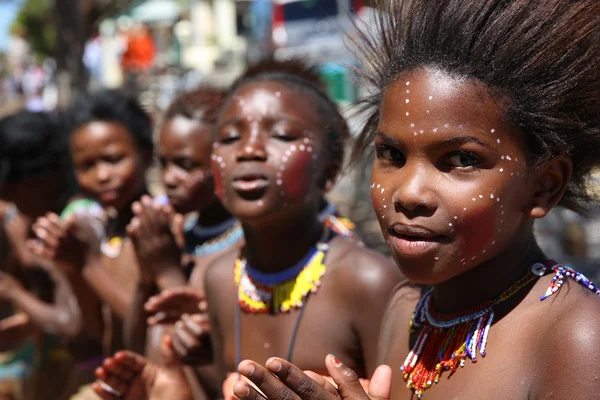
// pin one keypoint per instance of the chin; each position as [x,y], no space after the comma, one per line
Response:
[423,271]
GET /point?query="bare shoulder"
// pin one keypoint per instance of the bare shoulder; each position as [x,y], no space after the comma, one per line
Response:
[571,347]
[219,271]
[400,308]
[356,266]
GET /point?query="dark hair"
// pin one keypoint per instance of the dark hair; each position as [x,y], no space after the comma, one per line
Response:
[540,57]
[112,106]
[31,144]
[202,104]
[303,75]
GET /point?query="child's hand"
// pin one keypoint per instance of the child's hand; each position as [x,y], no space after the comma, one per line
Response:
[171,304]
[155,244]
[71,244]
[284,380]
[191,340]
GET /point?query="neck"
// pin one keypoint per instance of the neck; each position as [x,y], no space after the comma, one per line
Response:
[278,244]
[487,280]
[213,215]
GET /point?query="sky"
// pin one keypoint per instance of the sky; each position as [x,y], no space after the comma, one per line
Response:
[8,11]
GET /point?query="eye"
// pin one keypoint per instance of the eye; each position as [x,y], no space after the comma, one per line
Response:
[187,164]
[228,135]
[390,154]
[114,159]
[284,137]
[464,159]
[162,162]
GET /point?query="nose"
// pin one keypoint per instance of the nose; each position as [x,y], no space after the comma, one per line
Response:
[169,177]
[103,172]
[253,149]
[414,195]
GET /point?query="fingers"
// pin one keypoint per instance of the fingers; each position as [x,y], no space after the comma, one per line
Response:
[103,394]
[349,385]
[110,383]
[175,298]
[244,391]
[380,387]
[191,340]
[281,380]
[324,383]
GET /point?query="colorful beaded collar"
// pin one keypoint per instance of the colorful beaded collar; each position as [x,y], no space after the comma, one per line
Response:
[445,342]
[280,292]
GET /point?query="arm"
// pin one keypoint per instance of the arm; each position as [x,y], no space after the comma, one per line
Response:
[212,376]
[63,317]
[100,280]
[135,325]
[371,289]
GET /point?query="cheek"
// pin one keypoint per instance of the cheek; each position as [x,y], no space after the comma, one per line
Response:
[297,176]
[218,179]
[478,226]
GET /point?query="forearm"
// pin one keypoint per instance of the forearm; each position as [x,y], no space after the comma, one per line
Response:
[48,317]
[206,381]
[170,277]
[135,325]
[109,290]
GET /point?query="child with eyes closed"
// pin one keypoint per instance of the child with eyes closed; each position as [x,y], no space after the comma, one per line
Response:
[485,115]
[296,289]
[111,149]
[184,147]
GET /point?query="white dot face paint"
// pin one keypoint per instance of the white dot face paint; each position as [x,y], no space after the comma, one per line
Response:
[430,97]
[508,158]
[498,141]
[501,169]
[493,131]
[407,91]
[382,190]
[407,113]
[407,101]
[372,186]
[407,83]
[412,125]
[436,258]
[446,126]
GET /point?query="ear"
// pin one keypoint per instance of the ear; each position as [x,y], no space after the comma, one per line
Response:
[551,182]
[329,177]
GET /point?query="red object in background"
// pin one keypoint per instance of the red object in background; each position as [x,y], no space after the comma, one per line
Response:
[140,53]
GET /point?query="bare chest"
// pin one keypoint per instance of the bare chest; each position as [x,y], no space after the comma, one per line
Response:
[305,337]
[506,372]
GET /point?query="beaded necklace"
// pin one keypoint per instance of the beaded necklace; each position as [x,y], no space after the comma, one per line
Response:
[283,291]
[219,242]
[446,341]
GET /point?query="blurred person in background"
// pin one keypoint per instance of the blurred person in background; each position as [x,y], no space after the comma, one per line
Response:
[37,304]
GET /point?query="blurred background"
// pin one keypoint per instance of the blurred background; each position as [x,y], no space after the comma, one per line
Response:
[53,50]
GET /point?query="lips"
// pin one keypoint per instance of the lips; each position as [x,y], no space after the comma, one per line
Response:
[413,240]
[249,183]
[109,196]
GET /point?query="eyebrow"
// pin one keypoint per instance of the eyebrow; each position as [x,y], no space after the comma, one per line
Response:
[452,141]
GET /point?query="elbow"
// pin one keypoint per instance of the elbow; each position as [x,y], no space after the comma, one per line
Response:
[70,325]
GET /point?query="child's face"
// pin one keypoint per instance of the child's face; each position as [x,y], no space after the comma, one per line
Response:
[109,166]
[450,183]
[185,146]
[267,156]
